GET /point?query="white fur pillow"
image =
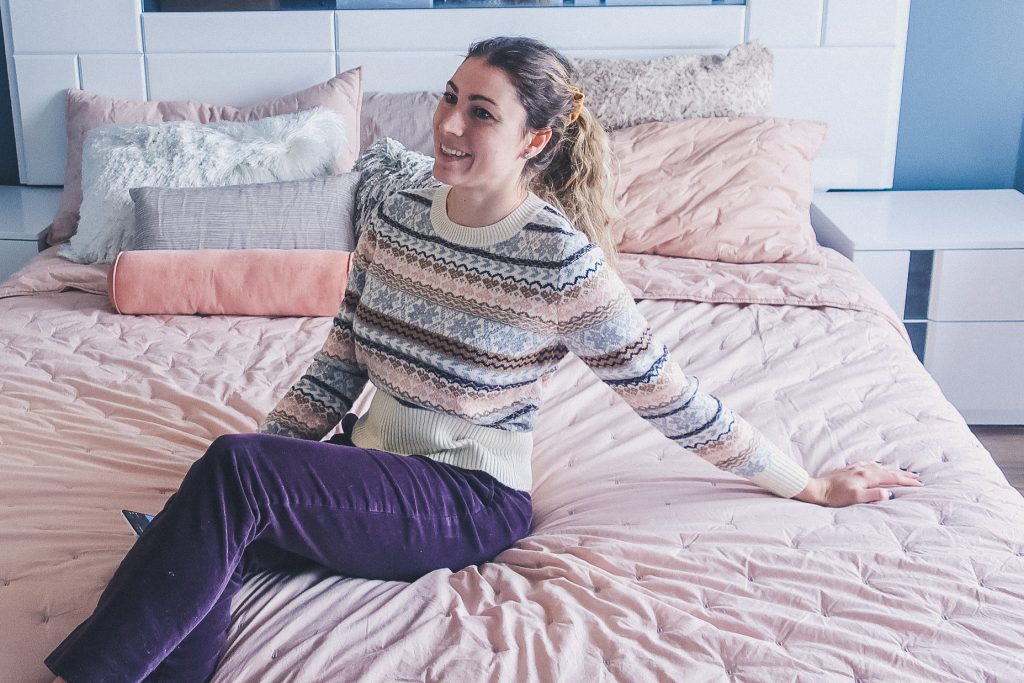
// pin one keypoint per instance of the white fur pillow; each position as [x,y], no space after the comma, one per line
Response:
[188,154]
[628,92]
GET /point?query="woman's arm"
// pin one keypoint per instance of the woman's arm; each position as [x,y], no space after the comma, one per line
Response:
[332,382]
[600,323]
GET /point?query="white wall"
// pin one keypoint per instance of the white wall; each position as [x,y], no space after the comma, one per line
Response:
[840,61]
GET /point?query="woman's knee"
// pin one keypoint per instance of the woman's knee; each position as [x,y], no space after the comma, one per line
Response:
[232,450]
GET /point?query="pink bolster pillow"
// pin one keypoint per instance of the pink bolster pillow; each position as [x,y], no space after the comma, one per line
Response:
[266,282]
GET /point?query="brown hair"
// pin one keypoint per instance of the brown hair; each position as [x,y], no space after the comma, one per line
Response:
[573,172]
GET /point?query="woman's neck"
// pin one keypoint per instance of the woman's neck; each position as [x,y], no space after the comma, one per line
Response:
[478,208]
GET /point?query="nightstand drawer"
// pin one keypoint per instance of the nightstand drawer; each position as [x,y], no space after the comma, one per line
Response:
[978,366]
[977,284]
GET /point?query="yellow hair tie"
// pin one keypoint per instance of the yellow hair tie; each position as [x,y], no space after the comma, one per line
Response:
[577,105]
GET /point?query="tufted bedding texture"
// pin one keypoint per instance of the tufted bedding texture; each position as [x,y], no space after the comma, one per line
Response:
[645,563]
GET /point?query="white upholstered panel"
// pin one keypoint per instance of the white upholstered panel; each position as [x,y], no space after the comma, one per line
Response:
[785,23]
[121,76]
[565,27]
[42,114]
[235,78]
[311,31]
[866,22]
[46,26]
[402,71]
[852,89]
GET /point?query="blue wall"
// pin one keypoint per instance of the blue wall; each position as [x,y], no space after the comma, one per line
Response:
[962,114]
[8,149]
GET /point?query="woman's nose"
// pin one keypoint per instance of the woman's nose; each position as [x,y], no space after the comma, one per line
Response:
[451,122]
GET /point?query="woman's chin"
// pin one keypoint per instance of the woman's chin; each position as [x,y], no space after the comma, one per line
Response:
[443,173]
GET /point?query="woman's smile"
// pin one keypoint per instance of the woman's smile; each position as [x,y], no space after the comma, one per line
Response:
[453,152]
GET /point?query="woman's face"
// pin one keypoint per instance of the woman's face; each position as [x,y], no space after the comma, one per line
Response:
[480,133]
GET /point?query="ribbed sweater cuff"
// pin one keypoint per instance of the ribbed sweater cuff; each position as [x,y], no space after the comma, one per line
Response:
[784,476]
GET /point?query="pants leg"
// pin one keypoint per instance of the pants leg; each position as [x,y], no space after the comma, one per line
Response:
[359,512]
[196,657]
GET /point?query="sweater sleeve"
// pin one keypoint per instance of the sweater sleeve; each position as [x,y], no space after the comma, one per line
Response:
[330,385]
[599,322]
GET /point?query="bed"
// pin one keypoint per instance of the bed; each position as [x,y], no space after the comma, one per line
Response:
[643,564]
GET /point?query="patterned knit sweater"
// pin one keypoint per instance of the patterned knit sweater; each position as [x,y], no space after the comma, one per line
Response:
[456,326]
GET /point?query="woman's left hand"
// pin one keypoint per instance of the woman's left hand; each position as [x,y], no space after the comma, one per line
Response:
[861,482]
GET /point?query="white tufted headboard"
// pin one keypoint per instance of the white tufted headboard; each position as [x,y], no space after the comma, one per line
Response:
[839,61]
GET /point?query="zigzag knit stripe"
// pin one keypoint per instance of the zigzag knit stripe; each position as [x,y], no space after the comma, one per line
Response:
[591,317]
[549,229]
[515,253]
[326,389]
[694,432]
[623,356]
[647,377]
[412,264]
[437,373]
[686,400]
[532,277]
[527,319]
[444,345]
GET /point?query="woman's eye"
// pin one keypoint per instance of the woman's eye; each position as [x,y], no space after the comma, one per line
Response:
[481,113]
[449,97]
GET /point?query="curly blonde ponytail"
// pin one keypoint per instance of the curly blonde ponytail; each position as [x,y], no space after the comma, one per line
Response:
[573,172]
[578,181]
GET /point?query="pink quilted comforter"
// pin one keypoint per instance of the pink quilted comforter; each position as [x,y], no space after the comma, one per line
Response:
[645,563]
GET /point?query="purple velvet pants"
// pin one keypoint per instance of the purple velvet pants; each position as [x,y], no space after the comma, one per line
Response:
[256,502]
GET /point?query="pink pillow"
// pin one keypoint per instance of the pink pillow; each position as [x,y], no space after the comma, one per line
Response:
[720,189]
[267,282]
[87,110]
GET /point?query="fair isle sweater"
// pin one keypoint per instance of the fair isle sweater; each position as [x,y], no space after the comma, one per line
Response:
[457,326]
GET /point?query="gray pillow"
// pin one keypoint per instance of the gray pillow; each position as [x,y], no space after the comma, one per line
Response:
[316,213]
[628,92]
[406,117]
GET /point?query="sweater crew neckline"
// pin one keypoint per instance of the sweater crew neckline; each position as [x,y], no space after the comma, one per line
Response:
[467,236]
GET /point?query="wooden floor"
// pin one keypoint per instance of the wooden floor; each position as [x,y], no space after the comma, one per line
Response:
[1006,444]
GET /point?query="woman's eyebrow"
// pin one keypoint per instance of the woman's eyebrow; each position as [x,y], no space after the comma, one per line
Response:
[455,88]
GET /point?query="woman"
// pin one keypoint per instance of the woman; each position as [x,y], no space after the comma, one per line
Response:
[461,299]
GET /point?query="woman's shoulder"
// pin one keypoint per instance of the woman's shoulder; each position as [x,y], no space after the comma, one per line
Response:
[556,227]
[422,195]
[405,206]
[565,250]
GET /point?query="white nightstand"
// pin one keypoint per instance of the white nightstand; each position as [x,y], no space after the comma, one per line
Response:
[25,214]
[951,264]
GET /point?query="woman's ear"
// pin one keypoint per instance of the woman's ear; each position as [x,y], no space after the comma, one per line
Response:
[538,140]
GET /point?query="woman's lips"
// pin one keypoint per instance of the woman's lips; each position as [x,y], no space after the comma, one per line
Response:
[453,153]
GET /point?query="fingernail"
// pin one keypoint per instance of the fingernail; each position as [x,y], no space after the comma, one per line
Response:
[892,494]
[903,468]
[915,472]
